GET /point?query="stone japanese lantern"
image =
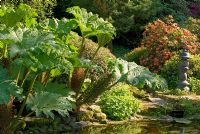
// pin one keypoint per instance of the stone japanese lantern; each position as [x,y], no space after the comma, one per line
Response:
[184,66]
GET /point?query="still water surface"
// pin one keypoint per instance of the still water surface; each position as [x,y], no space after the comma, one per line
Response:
[150,127]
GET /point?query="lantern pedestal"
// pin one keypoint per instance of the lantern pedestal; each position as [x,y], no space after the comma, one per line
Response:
[184,66]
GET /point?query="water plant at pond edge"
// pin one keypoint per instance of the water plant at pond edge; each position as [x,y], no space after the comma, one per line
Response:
[32,57]
[35,61]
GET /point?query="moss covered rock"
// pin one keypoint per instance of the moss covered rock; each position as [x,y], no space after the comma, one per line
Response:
[100,116]
[95,108]
[85,115]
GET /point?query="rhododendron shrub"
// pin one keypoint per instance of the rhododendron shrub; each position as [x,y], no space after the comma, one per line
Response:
[163,39]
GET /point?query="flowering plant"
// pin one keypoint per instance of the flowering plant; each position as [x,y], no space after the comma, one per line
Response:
[163,40]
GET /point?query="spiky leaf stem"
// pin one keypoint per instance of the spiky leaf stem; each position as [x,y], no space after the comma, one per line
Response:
[24,102]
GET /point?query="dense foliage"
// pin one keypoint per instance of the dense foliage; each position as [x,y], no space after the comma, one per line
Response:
[124,15]
[193,24]
[177,8]
[32,56]
[11,17]
[37,50]
[190,107]
[170,72]
[119,103]
[163,40]
[130,16]
[44,8]
[42,51]
[194,85]
[136,54]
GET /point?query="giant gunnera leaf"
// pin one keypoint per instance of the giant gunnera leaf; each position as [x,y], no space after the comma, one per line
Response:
[50,98]
[8,87]
[137,75]
[92,25]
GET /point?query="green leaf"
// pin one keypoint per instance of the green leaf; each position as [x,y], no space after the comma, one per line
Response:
[55,72]
[53,88]
[137,75]
[91,25]
[24,13]
[53,97]
[60,27]
[38,49]
[8,87]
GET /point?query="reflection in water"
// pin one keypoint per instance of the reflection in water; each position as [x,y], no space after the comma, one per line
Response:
[182,131]
[150,127]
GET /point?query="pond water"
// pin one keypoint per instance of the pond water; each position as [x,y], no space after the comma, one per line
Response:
[148,127]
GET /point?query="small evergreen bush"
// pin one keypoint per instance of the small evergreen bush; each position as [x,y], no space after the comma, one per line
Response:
[135,54]
[189,106]
[119,103]
[194,84]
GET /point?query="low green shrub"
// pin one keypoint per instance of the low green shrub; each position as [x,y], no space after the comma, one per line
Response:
[157,111]
[170,71]
[177,92]
[194,84]
[189,106]
[135,54]
[119,103]
[138,93]
[193,24]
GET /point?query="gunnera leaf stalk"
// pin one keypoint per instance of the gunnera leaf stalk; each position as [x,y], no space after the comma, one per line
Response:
[27,95]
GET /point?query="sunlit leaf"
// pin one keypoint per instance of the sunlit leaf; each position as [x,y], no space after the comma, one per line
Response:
[91,25]
[137,75]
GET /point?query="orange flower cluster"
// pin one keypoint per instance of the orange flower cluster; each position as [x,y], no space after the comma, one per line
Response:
[163,39]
